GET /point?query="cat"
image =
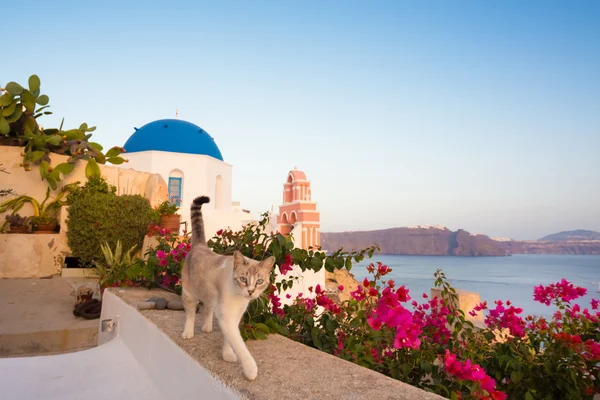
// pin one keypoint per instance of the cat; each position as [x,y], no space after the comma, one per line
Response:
[225,285]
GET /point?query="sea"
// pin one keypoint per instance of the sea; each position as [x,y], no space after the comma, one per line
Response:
[494,278]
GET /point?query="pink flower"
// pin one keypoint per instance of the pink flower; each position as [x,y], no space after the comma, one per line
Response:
[287,264]
[374,323]
[402,293]
[594,304]
[341,288]
[163,262]
[161,254]
[560,291]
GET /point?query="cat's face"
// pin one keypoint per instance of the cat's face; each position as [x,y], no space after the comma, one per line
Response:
[251,277]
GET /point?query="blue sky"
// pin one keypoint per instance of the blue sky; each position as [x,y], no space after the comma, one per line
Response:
[481,115]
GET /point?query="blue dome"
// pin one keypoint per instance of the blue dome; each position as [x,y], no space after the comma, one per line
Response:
[173,135]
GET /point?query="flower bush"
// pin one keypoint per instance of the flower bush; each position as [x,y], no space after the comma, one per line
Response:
[426,342]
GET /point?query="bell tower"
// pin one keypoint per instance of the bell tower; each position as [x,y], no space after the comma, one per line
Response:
[298,213]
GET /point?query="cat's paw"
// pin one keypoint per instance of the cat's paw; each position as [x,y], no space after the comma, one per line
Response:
[250,369]
[187,334]
[207,328]
[229,356]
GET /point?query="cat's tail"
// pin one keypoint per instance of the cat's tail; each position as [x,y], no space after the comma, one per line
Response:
[198,236]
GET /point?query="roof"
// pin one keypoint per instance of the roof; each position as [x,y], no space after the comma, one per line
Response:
[173,135]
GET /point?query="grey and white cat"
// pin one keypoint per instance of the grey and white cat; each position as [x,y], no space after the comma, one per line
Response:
[225,285]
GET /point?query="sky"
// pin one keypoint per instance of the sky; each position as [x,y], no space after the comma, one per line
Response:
[480,115]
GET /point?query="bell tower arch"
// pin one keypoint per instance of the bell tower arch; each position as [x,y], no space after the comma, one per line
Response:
[298,213]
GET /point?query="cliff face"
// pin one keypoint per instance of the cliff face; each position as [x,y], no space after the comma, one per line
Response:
[415,241]
[589,247]
[443,242]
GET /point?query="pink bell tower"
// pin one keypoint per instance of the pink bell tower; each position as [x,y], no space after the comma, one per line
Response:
[298,214]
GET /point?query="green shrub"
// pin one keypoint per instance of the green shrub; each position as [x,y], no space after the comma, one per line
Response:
[96,217]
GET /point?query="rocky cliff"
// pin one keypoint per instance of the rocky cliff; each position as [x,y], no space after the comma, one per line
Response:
[435,240]
[421,240]
[589,247]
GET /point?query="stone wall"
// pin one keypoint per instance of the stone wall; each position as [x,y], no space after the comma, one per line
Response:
[42,255]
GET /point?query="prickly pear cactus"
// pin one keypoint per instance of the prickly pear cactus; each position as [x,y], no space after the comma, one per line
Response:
[19,110]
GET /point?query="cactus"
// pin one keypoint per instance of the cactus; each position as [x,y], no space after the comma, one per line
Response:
[41,211]
[19,113]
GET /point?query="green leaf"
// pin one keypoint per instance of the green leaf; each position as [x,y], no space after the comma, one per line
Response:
[51,182]
[116,160]
[39,142]
[34,83]
[6,99]
[14,88]
[4,126]
[100,159]
[42,100]
[113,152]
[65,168]
[348,263]
[262,327]
[96,146]
[36,155]
[55,174]
[44,166]
[516,376]
[54,140]
[28,100]
[260,335]
[529,396]
[92,169]
[15,116]
[83,127]
[10,109]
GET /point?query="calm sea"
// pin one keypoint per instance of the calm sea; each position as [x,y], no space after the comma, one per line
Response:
[494,278]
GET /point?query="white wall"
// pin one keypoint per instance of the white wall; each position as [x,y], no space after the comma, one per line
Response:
[306,280]
[200,174]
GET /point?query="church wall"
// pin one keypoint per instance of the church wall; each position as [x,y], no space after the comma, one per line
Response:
[199,178]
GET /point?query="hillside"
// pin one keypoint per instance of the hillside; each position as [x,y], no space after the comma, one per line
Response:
[576,235]
[421,240]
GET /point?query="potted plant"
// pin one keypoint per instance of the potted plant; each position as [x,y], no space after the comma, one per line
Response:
[17,223]
[115,266]
[154,217]
[44,224]
[169,219]
[45,214]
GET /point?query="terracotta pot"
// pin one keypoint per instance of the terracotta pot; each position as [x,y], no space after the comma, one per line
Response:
[18,229]
[170,222]
[46,228]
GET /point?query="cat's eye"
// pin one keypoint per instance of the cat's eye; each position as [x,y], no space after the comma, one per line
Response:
[259,282]
[243,279]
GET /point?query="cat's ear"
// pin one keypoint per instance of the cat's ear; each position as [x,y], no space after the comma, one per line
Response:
[268,263]
[238,258]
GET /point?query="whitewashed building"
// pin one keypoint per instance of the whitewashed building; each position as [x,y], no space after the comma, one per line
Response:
[190,161]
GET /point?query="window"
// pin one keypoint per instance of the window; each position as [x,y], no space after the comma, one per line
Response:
[175,190]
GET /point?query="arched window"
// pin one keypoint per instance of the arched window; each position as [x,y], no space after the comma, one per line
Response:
[176,187]
[293,218]
[219,193]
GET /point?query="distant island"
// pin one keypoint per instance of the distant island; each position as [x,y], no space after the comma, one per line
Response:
[438,240]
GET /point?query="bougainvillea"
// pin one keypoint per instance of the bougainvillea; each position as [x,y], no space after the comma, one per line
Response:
[430,342]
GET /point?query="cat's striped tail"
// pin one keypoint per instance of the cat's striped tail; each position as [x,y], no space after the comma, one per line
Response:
[198,236]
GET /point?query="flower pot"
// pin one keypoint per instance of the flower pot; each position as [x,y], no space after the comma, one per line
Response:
[170,222]
[46,228]
[18,229]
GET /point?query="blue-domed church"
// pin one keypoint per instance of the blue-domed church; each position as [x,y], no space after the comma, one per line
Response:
[191,164]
